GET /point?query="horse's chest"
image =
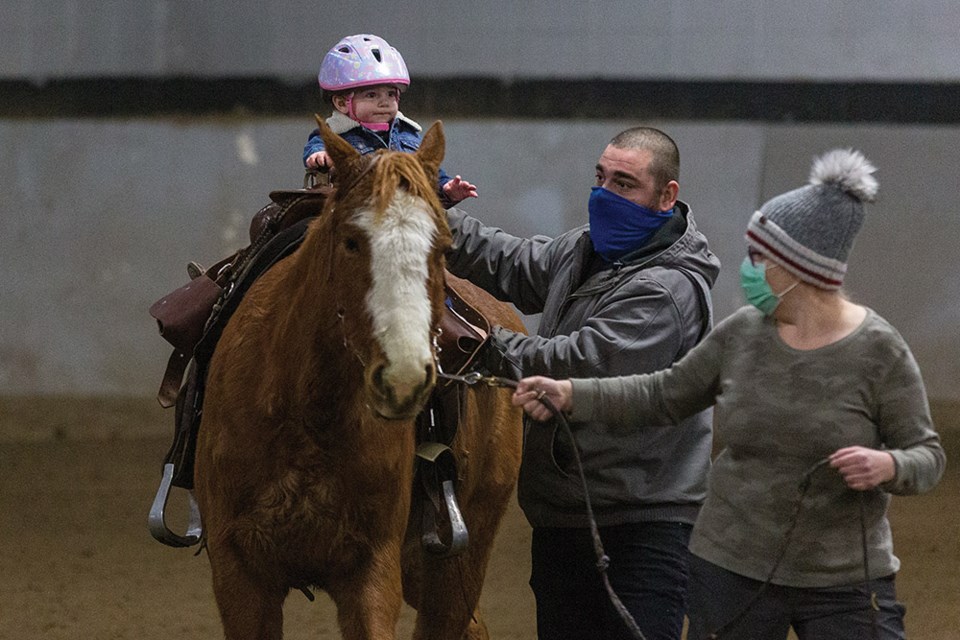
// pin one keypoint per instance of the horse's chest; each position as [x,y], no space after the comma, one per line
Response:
[322,497]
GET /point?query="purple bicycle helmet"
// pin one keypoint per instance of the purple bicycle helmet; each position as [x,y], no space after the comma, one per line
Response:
[361,61]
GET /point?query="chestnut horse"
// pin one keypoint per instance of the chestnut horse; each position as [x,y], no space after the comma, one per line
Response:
[305,456]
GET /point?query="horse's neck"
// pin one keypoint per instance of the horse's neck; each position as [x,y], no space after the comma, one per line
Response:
[309,338]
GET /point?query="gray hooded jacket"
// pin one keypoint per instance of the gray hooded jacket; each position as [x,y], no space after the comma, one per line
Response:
[638,316]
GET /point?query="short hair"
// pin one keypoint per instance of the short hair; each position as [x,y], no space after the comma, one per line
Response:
[328,96]
[665,165]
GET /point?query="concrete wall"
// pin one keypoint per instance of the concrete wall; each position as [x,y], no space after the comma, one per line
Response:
[98,217]
[752,39]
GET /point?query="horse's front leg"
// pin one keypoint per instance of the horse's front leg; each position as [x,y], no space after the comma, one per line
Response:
[368,601]
[250,608]
[448,601]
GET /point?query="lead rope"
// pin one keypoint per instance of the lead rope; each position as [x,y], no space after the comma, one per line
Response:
[603,560]
[802,492]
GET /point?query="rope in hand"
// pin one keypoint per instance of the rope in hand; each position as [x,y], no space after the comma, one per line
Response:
[603,560]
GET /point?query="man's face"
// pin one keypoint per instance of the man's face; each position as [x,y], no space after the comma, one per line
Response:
[626,173]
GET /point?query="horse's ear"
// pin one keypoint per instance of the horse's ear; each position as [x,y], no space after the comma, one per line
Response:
[432,148]
[339,150]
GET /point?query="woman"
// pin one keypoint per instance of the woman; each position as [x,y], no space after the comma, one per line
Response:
[822,414]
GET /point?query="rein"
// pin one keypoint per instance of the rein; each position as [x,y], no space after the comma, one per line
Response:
[364,171]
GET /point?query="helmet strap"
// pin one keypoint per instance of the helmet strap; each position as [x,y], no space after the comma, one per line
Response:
[350,113]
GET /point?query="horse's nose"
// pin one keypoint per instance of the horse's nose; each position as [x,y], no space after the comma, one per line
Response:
[403,390]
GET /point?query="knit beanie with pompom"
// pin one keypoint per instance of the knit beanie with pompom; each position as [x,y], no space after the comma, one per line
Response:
[809,231]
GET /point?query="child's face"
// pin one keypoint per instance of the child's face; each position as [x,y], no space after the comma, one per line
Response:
[378,104]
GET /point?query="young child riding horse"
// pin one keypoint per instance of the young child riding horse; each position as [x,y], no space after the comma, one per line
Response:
[363,77]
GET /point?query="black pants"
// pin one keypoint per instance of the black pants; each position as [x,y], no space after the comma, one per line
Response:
[648,571]
[718,596]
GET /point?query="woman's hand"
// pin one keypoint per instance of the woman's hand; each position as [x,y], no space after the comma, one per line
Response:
[531,390]
[863,468]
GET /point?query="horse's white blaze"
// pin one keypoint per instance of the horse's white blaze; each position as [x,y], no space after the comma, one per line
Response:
[398,302]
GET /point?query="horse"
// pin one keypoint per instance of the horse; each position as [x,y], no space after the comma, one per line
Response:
[305,459]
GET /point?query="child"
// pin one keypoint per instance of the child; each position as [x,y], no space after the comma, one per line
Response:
[364,76]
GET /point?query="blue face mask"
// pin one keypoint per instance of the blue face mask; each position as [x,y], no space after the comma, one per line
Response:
[753,280]
[619,226]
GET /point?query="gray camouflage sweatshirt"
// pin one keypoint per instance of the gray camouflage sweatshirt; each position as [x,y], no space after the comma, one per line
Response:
[637,316]
[778,412]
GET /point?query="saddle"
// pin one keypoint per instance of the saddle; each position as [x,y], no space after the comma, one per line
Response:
[192,318]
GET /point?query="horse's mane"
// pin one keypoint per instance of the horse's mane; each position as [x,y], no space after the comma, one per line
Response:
[395,170]
[374,181]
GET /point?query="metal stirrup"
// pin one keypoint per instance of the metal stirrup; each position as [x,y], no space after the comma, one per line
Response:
[157,524]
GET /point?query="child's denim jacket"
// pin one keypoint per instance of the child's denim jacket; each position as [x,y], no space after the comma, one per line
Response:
[404,136]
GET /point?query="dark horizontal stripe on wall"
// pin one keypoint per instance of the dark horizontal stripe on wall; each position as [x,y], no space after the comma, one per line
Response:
[459,97]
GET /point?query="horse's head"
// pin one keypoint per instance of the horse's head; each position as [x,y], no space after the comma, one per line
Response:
[388,238]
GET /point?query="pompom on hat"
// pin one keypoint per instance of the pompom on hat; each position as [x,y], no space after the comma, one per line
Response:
[809,231]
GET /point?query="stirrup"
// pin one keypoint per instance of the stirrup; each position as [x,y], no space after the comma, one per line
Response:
[458,528]
[157,524]
[437,454]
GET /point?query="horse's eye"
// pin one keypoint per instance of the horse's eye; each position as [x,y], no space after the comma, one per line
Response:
[351,245]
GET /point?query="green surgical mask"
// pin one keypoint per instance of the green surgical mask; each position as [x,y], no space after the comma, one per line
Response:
[753,280]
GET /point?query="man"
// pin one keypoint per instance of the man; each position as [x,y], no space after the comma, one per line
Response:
[628,293]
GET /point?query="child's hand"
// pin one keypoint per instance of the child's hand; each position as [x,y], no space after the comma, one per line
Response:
[319,160]
[459,189]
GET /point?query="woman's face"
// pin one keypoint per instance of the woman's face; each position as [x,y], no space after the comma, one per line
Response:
[779,279]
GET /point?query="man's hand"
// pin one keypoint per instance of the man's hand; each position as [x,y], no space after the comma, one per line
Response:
[863,468]
[458,189]
[491,360]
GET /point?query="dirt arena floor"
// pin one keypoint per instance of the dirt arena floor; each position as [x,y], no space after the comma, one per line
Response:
[76,560]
